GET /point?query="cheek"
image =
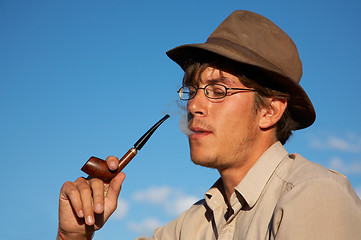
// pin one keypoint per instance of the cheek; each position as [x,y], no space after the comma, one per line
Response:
[237,110]
[238,117]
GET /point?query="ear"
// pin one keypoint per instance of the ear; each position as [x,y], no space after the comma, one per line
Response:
[273,113]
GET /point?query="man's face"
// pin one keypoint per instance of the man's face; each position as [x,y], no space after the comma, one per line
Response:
[226,131]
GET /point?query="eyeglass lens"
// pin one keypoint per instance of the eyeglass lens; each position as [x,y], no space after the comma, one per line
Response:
[213,91]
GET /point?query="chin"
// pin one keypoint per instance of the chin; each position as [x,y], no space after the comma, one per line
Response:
[206,164]
[206,160]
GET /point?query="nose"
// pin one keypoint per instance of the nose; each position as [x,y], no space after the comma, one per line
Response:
[198,106]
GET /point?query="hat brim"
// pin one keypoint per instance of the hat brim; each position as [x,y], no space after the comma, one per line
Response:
[299,104]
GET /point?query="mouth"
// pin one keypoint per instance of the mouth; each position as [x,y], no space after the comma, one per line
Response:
[198,133]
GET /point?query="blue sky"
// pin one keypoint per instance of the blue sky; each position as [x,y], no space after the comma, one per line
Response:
[83,78]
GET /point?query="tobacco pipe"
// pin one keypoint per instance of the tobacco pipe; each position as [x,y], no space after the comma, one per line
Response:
[98,168]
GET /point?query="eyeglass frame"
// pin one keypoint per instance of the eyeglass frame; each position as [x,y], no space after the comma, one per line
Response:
[212,84]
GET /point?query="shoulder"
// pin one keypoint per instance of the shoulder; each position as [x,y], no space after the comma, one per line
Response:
[301,172]
[316,198]
[315,203]
[306,177]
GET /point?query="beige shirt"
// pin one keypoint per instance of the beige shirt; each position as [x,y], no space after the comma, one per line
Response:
[283,196]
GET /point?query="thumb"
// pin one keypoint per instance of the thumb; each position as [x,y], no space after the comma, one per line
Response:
[111,198]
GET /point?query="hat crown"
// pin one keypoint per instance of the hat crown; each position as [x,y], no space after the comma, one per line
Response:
[261,36]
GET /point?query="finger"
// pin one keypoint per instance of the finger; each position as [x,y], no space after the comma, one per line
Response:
[97,187]
[114,188]
[112,162]
[69,192]
[86,199]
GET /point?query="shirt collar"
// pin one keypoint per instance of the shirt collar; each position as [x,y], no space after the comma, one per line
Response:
[252,185]
[257,177]
[215,195]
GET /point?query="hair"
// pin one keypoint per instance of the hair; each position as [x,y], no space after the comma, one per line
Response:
[251,78]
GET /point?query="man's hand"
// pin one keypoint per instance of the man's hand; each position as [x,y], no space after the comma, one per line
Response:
[86,204]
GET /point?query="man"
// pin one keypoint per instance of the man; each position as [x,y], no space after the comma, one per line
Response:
[243,100]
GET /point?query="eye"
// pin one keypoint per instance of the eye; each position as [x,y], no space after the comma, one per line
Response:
[215,91]
[218,92]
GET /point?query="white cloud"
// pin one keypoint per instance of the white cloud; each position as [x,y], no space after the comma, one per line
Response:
[146,227]
[122,209]
[349,143]
[344,167]
[343,145]
[180,204]
[157,195]
[172,200]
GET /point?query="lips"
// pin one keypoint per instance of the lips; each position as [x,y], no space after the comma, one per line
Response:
[198,132]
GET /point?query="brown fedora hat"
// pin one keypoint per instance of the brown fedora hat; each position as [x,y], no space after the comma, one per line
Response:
[253,41]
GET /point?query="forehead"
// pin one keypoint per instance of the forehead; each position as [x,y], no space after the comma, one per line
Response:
[215,75]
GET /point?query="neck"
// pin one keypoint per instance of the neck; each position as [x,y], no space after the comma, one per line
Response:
[233,175]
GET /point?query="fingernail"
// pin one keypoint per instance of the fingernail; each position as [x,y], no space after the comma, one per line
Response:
[113,166]
[99,208]
[90,220]
[81,213]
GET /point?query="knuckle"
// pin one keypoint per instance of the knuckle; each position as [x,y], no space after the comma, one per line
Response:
[81,183]
[67,186]
[80,179]
[95,180]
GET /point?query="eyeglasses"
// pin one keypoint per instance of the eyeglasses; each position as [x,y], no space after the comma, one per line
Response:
[212,91]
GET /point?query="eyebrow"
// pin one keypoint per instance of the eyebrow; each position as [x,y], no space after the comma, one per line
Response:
[219,80]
